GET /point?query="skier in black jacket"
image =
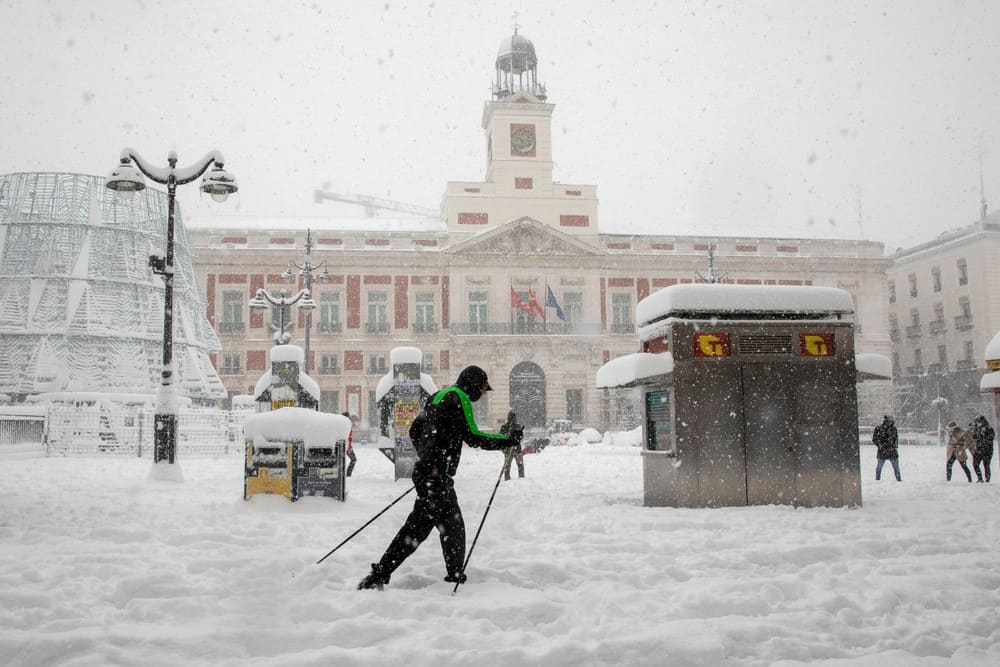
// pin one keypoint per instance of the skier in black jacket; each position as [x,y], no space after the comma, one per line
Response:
[438,434]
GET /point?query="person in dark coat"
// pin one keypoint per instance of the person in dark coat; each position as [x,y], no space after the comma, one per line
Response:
[438,433]
[886,440]
[511,427]
[958,442]
[982,449]
[350,447]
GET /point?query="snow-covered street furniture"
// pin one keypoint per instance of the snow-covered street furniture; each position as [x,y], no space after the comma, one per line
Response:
[749,396]
[296,452]
[400,395]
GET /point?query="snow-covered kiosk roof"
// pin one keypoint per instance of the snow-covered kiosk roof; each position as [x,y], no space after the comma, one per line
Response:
[287,353]
[404,355]
[873,366]
[990,382]
[737,302]
[314,429]
[632,369]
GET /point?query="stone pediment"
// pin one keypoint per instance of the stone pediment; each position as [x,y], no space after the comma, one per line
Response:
[524,236]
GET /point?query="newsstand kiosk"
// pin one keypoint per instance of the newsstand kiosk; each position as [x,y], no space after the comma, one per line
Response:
[292,449]
[400,396]
[749,396]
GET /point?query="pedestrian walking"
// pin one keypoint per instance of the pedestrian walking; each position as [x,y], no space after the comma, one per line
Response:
[350,447]
[959,441]
[510,428]
[438,433]
[886,439]
[982,449]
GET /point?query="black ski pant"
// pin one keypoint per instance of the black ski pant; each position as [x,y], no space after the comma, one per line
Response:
[951,462]
[985,458]
[436,506]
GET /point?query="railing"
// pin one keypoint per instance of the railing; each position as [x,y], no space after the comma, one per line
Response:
[230,370]
[963,322]
[231,327]
[894,335]
[425,328]
[377,370]
[328,370]
[965,364]
[380,328]
[329,327]
[937,326]
[525,329]
[913,331]
[22,434]
[914,370]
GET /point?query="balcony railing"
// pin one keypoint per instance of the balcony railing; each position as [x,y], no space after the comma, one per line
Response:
[623,328]
[894,335]
[377,328]
[965,364]
[914,370]
[913,331]
[525,329]
[963,322]
[230,370]
[328,370]
[329,327]
[377,370]
[424,328]
[231,327]
[937,326]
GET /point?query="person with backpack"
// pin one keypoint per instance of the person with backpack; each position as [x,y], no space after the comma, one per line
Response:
[886,440]
[437,434]
[982,450]
[958,441]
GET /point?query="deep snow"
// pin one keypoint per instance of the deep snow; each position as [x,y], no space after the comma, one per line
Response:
[101,566]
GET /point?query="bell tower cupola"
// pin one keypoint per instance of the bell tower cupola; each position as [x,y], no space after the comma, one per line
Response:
[517,69]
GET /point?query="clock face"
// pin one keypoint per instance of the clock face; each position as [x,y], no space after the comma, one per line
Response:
[522,139]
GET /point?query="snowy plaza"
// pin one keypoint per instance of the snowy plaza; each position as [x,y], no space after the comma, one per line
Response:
[101,566]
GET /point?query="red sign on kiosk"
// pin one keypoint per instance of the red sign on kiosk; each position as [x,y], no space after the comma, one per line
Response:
[711,345]
[816,345]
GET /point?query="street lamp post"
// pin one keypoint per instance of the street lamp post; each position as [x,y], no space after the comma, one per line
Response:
[283,302]
[306,270]
[126,179]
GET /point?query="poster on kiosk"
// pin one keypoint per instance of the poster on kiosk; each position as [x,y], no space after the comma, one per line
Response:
[400,396]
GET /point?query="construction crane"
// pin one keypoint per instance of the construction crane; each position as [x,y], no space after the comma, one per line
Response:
[373,204]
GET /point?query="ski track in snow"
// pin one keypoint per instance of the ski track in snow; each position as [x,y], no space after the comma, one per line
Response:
[100,566]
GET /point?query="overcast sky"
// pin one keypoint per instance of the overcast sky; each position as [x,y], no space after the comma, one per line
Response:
[789,118]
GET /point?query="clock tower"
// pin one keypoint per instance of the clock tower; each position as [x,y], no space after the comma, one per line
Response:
[517,123]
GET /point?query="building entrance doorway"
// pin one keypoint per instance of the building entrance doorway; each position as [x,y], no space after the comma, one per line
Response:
[527,394]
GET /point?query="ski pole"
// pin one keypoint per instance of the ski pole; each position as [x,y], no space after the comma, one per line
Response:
[480,529]
[348,539]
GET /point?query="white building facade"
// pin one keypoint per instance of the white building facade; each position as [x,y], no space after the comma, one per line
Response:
[514,276]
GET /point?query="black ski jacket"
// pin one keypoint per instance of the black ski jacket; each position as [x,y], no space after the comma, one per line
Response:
[886,439]
[448,422]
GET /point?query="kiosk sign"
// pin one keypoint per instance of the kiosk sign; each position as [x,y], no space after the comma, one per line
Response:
[711,345]
[816,345]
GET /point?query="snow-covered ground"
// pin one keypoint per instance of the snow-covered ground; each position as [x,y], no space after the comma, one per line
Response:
[100,566]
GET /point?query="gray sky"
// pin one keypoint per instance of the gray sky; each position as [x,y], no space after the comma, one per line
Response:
[757,118]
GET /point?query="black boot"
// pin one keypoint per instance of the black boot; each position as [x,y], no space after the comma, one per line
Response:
[456,578]
[375,579]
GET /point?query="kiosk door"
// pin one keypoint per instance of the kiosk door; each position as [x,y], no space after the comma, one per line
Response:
[772,460]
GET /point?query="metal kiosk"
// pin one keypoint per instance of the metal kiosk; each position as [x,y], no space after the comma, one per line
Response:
[749,396]
[400,396]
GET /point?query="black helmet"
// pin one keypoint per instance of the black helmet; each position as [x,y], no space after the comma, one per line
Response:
[473,381]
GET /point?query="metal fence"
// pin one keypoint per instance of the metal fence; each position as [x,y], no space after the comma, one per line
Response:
[93,430]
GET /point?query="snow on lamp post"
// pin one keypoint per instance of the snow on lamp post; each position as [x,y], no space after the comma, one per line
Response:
[306,270]
[126,179]
[261,300]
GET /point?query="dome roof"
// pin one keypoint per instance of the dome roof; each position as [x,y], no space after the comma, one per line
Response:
[516,52]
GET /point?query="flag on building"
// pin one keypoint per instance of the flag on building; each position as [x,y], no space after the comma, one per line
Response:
[515,302]
[533,303]
[550,302]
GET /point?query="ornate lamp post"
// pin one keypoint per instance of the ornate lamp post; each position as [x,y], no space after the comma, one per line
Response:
[306,270]
[282,303]
[126,179]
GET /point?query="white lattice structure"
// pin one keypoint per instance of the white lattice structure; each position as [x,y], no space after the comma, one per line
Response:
[80,309]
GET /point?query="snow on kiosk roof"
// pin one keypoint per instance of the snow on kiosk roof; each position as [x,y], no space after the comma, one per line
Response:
[701,300]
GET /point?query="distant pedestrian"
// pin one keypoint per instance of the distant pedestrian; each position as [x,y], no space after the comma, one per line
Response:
[982,450]
[350,447]
[959,441]
[886,440]
[510,428]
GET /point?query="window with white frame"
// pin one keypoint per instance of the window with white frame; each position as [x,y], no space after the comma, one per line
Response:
[573,308]
[378,313]
[232,312]
[478,312]
[329,312]
[621,313]
[424,313]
